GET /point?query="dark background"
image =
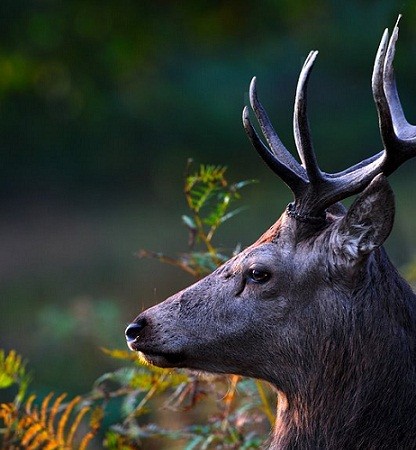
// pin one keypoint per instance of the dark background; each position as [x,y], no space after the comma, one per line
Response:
[101,104]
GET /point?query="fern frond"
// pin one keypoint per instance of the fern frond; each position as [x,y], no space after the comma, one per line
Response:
[48,426]
[86,440]
[76,423]
[50,446]
[13,371]
[64,418]
[54,411]
[44,407]
[11,366]
[95,424]
[32,430]
[39,441]
[29,403]
[9,415]
[201,186]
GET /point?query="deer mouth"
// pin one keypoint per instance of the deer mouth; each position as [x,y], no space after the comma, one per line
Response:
[165,360]
[159,358]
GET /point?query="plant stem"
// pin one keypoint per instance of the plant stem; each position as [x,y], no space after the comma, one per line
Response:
[148,396]
[266,405]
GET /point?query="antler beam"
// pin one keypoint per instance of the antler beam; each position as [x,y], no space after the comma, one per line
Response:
[313,189]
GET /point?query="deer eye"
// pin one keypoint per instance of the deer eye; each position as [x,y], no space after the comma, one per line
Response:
[258,275]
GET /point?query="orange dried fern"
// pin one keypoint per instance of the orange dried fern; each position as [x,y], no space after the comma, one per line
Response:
[47,426]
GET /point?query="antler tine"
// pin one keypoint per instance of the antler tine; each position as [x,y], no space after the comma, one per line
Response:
[275,144]
[293,180]
[390,88]
[381,103]
[370,167]
[377,81]
[357,177]
[399,136]
[314,189]
[301,130]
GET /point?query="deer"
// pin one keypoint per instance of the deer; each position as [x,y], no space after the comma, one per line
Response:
[314,307]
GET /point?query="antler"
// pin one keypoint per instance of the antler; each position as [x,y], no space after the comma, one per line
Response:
[313,189]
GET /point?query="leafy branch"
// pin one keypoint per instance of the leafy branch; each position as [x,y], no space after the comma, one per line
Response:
[49,426]
[237,411]
[13,372]
[209,196]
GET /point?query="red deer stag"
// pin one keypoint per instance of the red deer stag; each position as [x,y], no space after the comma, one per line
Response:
[314,307]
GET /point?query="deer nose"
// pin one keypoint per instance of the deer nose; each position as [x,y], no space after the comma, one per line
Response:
[133,330]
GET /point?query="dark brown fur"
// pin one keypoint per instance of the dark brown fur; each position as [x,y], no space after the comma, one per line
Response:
[334,330]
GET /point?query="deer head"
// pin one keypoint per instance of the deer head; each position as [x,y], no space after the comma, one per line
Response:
[314,306]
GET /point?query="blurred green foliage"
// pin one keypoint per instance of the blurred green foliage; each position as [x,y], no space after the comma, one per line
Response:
[234,413]
[102,102]
[124,408]
[106,96]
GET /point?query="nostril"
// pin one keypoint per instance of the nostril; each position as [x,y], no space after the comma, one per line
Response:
[133,330]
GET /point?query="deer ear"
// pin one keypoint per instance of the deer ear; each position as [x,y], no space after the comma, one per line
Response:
[368,221]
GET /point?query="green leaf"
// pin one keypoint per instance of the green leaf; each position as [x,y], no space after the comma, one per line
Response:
[6,380]
[240,184]
[189,222]
[13,371]
[233,213]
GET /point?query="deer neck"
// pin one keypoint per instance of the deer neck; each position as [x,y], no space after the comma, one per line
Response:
[351,420]
[364,385]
